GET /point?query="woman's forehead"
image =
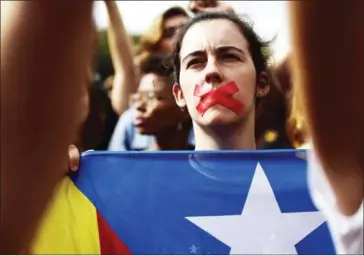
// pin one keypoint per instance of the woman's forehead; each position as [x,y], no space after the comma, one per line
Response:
[211,34]
[153,83]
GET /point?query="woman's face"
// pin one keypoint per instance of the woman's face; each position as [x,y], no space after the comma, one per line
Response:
[217,75]
[155,108]
[171,26]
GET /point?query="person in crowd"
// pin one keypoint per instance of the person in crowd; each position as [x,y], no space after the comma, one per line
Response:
[329,93]
[156,39]
[159,37]
[43,93]
[272,110]
[154,112]
[228,56]
[336,172]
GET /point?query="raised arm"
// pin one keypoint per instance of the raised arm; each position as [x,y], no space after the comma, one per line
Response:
[45,48]
[122,57]
[328,60]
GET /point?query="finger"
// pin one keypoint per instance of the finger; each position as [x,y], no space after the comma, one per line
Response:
[74,157]
[192,6]
[207,3]
[203,6]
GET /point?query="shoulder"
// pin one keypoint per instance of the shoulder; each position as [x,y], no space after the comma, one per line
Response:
[126,119]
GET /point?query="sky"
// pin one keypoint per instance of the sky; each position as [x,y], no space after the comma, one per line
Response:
[270,18]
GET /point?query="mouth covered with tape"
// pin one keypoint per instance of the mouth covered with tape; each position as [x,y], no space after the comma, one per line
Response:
[222,96]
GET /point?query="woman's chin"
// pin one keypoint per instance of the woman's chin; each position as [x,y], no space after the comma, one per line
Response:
[219,115]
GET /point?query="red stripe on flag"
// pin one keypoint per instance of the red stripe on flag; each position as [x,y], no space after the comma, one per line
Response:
[110,243]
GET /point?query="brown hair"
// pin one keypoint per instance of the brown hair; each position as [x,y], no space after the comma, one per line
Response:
[270,118]
[296,125]
[151,38]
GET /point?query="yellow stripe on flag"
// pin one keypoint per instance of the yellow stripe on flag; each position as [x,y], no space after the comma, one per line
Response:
[70,224]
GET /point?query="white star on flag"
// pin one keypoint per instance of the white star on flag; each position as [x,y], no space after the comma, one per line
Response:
[261,228]
[193,249]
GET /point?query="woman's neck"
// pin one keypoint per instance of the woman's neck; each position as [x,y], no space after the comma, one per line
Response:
[175,138]
[226,137]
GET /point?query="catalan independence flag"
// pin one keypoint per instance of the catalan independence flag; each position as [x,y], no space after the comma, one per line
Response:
[228,202]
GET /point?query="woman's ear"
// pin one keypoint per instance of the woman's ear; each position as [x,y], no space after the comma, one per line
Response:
[178,96]
[263,85]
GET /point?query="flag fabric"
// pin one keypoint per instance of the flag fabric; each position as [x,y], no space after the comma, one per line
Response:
[72,225]
[191,202]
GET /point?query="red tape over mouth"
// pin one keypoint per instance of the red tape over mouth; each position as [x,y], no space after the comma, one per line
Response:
[222,95]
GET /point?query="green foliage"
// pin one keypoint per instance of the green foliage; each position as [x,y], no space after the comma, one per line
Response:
[104,65]
[103,45]
[136,39]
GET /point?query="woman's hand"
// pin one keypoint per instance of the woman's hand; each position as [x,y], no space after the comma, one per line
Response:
[74,158]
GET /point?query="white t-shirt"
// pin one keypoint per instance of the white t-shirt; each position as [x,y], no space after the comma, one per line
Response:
[347,232]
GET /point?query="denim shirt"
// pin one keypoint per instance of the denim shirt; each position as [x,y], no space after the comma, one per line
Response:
[126,137]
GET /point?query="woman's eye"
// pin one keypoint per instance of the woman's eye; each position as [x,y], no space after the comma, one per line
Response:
[230,57]
[194,62]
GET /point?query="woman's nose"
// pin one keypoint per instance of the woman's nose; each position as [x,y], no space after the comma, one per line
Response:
[213,77]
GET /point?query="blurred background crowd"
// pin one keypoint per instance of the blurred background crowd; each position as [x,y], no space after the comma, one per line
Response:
[131,106]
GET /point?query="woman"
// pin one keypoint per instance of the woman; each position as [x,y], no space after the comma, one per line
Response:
[154,113]
[203,64]
[158,38]
[271,112]
[234,63]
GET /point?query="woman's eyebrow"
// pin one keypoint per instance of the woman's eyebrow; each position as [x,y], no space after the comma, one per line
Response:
[193,54]
[230,48]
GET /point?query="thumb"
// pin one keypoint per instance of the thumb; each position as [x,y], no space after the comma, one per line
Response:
[74,157]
